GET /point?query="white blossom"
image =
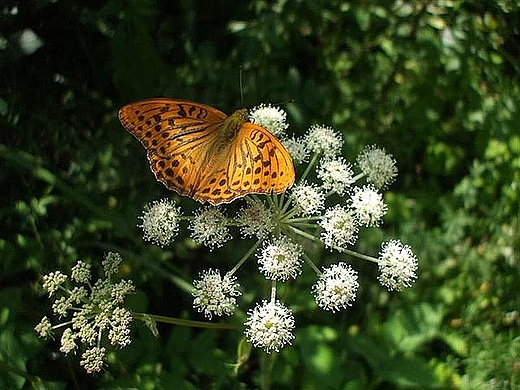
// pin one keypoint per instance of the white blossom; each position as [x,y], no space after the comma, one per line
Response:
[160,222]
[215,295]
[280,259]
[336,287]
[340,227]
[270,326]
[209,227]
[379,166]
[397,265]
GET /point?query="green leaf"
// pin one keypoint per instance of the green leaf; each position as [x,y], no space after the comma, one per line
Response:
[151,324]
[409,329]
[407,372]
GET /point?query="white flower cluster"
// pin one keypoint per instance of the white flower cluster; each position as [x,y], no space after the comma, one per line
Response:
[94,310]
[270,326]
[160,222]
[215,294]
[327,205]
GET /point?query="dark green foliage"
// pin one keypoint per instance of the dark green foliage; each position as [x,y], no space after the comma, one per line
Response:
[434,82]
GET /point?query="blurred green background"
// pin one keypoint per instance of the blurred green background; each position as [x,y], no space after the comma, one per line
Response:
[436,83]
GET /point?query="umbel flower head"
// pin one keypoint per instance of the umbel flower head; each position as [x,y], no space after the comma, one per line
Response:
[272,118]
[209,227]
[324,140]
[214,294]
[368,205]
[255,219]
[336,287]
[309,199]
[280,259]
[160,221]
[95,316]
[270,326]
[330,202]
[378,166]
[336,174]
[397,265]
[340,227]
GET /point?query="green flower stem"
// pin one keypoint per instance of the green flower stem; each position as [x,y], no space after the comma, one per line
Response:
[281,198]
[304,234]
[330,193]
[245,257]
[270,200]
[287,215]
[285,203]
[311,263]
[277,200]
[267,361]
[304,225]
[305,219]
[359,176]
[64,324]
[284,206]
[310,166]
[356,254]
[182,322]
[273,290]
[339,249]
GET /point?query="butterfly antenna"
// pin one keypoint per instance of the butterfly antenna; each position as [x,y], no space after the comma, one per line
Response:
[283,102]
[241,86]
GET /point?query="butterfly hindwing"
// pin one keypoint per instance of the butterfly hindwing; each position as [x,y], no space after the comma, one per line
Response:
[172,171]
[213,188]
[259,163]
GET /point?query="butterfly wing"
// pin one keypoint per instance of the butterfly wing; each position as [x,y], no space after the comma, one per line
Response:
[167,125]
[196,150]
[176,135]
[256,163]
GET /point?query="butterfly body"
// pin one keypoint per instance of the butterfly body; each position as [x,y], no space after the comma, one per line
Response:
[198,151]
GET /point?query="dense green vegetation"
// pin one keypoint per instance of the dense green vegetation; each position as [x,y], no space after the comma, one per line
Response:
[436,83]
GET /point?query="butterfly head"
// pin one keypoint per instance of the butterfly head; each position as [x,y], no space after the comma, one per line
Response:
[232,124]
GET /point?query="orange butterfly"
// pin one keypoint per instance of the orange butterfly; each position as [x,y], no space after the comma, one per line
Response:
[199,151]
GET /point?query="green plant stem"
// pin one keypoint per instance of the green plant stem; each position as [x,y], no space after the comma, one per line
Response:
[311,165]
[245,257]
[266,369]
[359,176]
[182,322]
[311,263]
[339,249]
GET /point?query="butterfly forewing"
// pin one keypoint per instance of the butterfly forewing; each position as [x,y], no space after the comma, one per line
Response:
[176,134]
[166,126]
